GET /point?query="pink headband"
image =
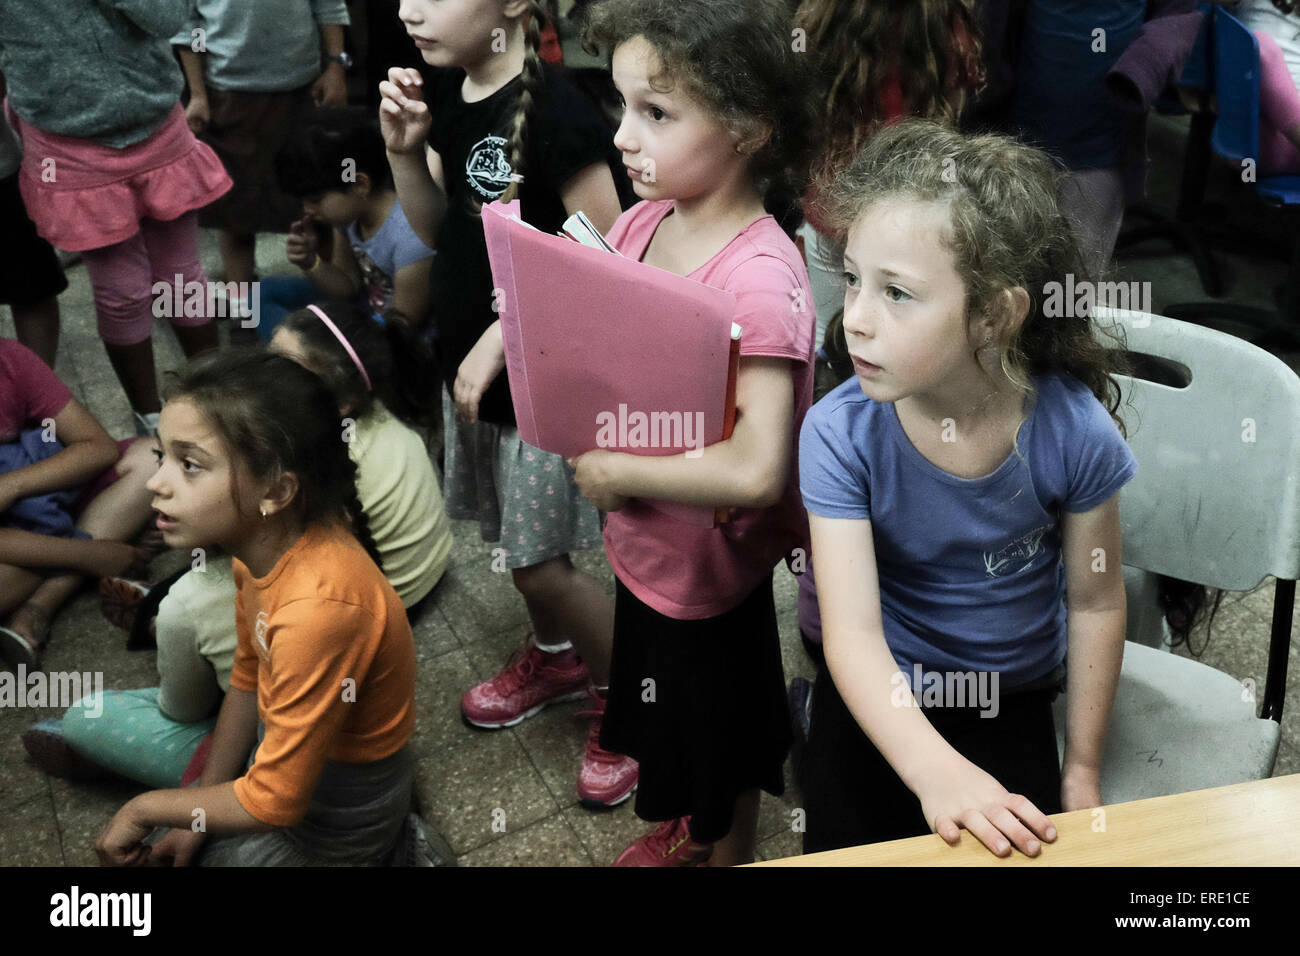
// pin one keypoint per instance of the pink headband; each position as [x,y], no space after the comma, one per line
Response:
[343,342]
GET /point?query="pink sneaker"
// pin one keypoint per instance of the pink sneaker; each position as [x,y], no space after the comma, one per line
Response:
[606,778]
[668,844]
[529,681]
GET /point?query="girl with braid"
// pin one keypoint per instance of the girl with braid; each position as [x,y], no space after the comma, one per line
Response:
[489,120]
[251,460]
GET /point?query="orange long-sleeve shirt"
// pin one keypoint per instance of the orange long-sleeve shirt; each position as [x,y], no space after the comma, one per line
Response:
[325,643]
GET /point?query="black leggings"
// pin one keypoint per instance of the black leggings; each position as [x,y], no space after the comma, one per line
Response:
[853,796]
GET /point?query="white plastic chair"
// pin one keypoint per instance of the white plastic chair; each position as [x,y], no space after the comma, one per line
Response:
[1215,501]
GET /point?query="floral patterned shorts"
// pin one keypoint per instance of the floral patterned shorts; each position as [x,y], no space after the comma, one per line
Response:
[521,496]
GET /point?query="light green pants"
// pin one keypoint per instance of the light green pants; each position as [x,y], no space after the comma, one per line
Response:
[132,737]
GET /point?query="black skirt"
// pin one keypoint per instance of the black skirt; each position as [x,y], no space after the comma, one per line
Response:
[701,705]
[853,796]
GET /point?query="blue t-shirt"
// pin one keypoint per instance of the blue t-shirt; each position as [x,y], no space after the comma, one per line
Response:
[393,246]
[970,569]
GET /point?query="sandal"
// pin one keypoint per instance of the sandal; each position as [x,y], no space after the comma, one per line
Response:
[47,746]
[120,599]
[17,649]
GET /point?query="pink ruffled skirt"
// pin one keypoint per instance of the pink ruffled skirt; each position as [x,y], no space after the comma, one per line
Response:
[85,196]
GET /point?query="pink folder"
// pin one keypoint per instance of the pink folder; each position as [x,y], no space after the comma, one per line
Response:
[607,352]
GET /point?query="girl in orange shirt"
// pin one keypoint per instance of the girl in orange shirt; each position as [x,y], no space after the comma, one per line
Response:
[253,459]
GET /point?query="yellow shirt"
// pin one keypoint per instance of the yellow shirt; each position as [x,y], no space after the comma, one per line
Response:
[399,493]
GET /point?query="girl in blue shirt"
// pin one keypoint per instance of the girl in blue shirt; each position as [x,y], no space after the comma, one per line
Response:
[956,488]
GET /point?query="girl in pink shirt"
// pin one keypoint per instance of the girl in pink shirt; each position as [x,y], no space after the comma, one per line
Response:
[716,117]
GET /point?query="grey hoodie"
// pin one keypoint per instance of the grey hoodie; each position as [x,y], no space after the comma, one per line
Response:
[100,70]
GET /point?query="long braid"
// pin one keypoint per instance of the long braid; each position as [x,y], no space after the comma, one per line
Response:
[533,81]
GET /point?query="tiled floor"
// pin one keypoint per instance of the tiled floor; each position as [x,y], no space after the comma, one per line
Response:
[506,797]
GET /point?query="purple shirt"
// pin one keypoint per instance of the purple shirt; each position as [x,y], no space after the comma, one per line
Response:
[970,569]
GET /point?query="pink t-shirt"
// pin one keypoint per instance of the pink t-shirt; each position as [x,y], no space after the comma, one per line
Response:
[682,571]
[29,391]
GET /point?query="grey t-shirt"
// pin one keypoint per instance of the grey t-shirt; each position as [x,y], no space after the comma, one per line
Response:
[99,70]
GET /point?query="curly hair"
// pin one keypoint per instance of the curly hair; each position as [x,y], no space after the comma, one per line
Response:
[734,56]
[931,48]
[1005,230]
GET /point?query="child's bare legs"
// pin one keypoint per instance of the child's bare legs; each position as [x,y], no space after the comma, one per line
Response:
[134,367]
[566,604]
[197,338]
[114,515]
[238,255]
[738,846]
[38,327]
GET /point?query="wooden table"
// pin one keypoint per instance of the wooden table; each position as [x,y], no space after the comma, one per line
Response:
[1246,824]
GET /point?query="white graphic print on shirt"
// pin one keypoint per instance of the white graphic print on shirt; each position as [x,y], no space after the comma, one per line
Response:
[1017,556]
[487,169]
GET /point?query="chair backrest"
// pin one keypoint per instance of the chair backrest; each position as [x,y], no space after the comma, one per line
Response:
[1236,85]
[1198,72]
[1216,499]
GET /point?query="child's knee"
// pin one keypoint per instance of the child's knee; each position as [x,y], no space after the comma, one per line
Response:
[138,460]
[124,318]
[541,582]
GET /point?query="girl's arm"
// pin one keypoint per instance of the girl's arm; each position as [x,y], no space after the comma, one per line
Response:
[340,277]
[953,791]
[411,290]
[222,813]
[87,451]
[590,190]
[404,121]
[748,470]
[197,112]
[1097,611]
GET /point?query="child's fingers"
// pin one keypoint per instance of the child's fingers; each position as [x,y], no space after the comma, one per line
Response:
[984,831]
[1035,819]
[947,828]
[1014,830]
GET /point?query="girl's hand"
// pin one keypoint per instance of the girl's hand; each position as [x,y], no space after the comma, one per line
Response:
[111,559]
[1080,787]
[330,88]
[303,245]
[967,797]
[119,844]
[176,848]
[479,369]
[198,114]
[594,473]
[404,118]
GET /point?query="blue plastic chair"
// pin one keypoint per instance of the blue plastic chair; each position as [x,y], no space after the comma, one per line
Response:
[1236,138]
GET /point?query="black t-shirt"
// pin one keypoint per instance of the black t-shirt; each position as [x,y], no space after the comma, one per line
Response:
[565,134]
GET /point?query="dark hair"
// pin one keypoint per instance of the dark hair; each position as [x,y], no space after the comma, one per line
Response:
[931,48]
[736,57]
[316,157]
[1005,229]
[276,417]
[532,81]
[397,361]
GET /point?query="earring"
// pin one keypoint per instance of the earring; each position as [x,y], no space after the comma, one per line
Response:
[263,510]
